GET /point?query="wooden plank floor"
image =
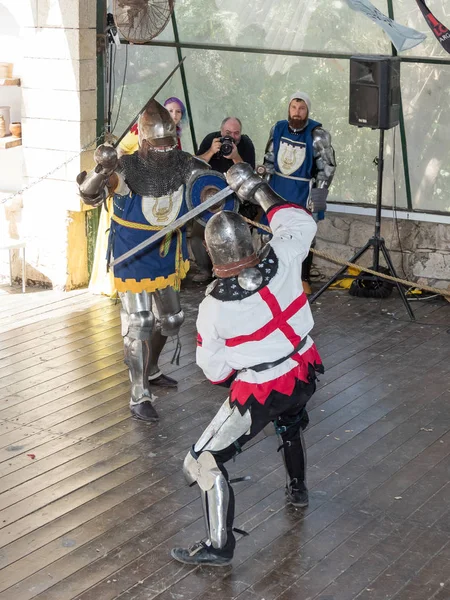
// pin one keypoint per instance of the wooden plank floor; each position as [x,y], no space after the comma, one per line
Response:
[91,501]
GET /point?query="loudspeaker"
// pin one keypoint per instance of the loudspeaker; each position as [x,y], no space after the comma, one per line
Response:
[374,91]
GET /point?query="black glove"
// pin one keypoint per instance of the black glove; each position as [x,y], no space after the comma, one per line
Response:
[318,199]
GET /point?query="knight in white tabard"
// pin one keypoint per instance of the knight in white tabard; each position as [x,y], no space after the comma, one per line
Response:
[254,337]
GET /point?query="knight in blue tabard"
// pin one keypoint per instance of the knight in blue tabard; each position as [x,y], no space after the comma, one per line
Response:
[300,163]
[148,189]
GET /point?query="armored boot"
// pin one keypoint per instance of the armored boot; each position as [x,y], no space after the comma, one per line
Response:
[156,376]
[137,356]
[297,494]
[218,510]
[200,553]
[169,318]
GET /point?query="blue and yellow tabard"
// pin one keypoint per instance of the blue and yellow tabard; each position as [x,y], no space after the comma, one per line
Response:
[135,219]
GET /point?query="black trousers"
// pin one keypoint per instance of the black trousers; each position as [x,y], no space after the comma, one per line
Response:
[198,249]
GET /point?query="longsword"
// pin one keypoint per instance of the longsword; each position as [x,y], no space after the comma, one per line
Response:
[175,224]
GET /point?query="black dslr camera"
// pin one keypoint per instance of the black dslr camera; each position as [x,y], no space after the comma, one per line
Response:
[227,145]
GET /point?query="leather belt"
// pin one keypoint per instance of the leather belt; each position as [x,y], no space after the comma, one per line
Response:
[269,365]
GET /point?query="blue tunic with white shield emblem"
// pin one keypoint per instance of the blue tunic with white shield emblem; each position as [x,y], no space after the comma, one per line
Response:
[135,219]
[294,162]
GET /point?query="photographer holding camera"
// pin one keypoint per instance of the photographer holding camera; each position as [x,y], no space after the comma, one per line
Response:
[221,149]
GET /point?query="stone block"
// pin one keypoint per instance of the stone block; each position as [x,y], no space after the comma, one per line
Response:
[442,236]
[50,198]
[66,44]
[432,265]
[88,14]
[67,13]
[56,237]
[54,74]
[334,229]
[341,251]
[408,232]
[59,105]
[360,231]
[38,162]
[434,236]
[24,13]
[61,135]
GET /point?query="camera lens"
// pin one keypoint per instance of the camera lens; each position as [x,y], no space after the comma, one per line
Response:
[227,146]
[227,149]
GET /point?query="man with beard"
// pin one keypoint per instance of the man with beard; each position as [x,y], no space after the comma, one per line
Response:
[148,189]
[300,162]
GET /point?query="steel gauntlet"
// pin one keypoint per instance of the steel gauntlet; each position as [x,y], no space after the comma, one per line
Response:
[92,185]
[250,187]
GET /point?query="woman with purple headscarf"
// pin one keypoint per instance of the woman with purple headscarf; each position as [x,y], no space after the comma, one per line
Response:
[177,111]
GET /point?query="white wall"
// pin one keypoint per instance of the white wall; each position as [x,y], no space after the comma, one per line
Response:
[13,16]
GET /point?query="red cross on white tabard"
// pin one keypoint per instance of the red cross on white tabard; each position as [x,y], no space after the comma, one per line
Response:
[279,321]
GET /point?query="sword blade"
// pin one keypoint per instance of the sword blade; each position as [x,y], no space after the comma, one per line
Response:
[175,225]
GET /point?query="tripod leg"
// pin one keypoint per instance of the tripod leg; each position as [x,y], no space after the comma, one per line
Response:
[339,273]
[392,271]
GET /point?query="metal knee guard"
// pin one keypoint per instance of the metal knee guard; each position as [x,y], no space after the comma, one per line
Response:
[215,494]
[170,315]
[136,315]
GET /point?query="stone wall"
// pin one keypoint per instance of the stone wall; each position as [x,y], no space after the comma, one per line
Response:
[419,250]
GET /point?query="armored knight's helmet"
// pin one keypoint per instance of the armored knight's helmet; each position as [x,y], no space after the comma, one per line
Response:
[229,244]
[156,127]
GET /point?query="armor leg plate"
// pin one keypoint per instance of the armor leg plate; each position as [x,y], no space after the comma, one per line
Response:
[215,492]
[169,318]
[168,310]
[137,324]
[226,427]
[204,466]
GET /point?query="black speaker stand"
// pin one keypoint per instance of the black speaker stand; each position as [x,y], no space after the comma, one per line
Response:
[376,242]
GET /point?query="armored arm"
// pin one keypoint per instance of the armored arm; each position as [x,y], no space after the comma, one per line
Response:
[211,355]
[250,187]
[92,185]
[269,156]
[287,221]
[199,164]
[325,163]
[324,157]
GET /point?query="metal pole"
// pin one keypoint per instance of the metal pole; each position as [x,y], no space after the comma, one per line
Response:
[184,83]
[127,129]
